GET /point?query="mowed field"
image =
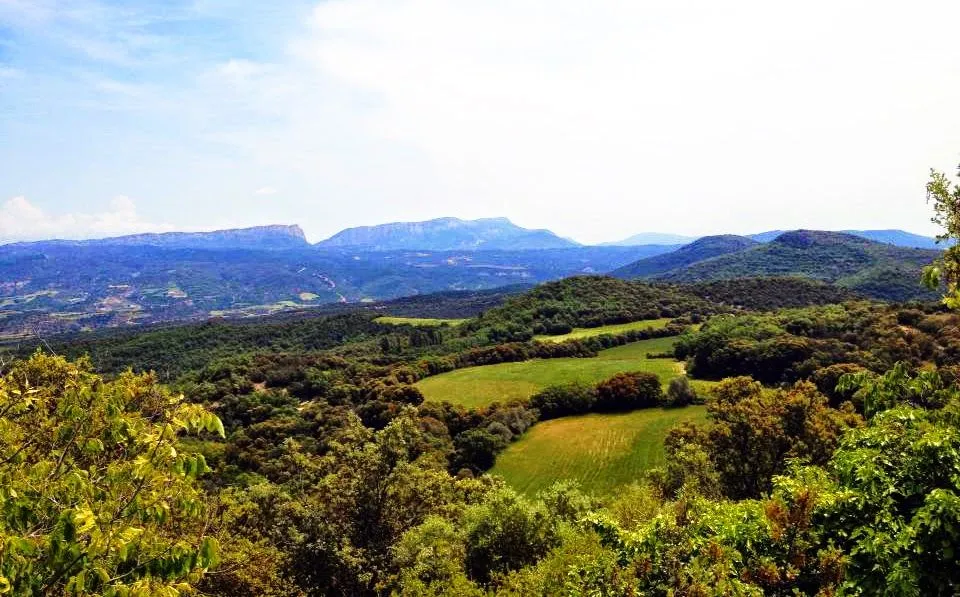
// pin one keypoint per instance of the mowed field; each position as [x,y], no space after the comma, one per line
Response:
[479,386]
[653,324]
[601,451]
[390,320]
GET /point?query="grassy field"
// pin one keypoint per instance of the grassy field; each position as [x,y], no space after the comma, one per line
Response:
[601,451]
[479,386]
[418,321]
[607,329]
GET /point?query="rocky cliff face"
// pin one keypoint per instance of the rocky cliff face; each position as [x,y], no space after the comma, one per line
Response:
[446,234]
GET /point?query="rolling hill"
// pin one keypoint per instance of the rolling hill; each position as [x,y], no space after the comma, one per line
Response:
[900,238]
[447,234]
[870,268]
[698,250]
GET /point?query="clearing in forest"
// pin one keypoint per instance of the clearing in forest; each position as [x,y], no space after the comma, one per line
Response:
[601,451]
[421,321]
[617,328]
[479,386]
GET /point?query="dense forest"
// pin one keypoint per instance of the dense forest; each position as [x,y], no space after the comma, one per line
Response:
[299,455]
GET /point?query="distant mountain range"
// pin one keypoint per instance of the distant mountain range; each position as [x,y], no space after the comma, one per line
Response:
[868,267]
[651,238]
[447,234]
[65,285]
[899,238]
[257,237]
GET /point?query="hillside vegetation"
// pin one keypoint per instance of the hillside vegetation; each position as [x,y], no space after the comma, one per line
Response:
[586,301]
[700,249]
[340,472]
[767,294]
[874,269]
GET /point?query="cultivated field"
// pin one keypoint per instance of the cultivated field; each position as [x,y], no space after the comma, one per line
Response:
[601,451]
[607,329]
[478,386]
[421,321]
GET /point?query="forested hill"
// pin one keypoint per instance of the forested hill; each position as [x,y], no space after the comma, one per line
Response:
[586,301]
[877,270]
[698,250]
[768,294]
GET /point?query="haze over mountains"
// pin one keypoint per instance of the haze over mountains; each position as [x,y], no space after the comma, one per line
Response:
[259,237]
[65,285]
[447,234]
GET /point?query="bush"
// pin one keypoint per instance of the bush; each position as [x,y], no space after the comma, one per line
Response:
[680,393]
[629,391]
[564,400]
[477,449]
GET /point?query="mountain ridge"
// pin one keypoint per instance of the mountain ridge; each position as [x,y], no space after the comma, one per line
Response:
[446,234]
[275,236]
[703,248]
[871,268]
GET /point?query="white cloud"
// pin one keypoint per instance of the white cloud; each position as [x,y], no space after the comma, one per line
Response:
[603,118]
[22,220]
[266,191]
[596,119]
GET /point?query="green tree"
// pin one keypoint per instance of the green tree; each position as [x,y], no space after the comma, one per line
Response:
[680,393]
[754,432]
[356,502]
[897,386]
[629,391]
[946,209]
[896,509]
[505,532]
[95,497]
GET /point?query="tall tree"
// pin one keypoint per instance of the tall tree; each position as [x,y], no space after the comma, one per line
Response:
[945,196]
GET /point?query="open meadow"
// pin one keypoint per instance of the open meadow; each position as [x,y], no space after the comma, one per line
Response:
[601,451]
[617,328]
[479,386]
[421,321]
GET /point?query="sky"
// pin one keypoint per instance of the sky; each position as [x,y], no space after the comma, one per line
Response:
[596,119]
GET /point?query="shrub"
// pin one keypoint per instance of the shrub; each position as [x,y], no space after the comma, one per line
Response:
[564,400]
[629,391]
[680,393]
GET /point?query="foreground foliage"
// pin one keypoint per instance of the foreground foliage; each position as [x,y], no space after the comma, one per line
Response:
[94,495]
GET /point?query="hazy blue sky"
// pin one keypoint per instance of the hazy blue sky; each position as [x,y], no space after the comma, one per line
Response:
[594,118]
